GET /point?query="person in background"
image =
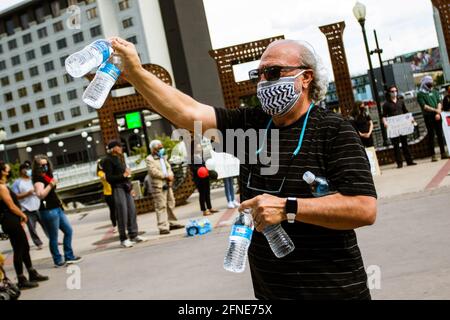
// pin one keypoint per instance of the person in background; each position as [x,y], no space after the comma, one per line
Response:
[107,193]
[446,101]
[11,222]
[118,176]
[363,123]
[431,105]
[29,202]
[201,181]
[162,178]
[51,211]
[394,107]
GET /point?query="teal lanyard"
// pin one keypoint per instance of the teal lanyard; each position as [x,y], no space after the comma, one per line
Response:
[302,134]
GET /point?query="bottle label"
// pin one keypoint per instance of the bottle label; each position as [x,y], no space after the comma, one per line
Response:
[241,232]
[104,48]
[111,70]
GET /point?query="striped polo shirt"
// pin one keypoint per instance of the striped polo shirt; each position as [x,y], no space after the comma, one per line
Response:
[326,263]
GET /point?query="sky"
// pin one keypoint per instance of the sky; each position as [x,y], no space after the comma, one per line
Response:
[403,26]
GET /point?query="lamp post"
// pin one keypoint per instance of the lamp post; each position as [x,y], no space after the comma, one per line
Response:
[46,141]
[85,135]
[61,145]
[359,10]
[379,51]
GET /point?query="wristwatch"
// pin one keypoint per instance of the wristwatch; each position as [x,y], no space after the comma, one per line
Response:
[291,209]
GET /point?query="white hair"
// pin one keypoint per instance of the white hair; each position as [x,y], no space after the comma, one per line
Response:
[154,144]
[309,58]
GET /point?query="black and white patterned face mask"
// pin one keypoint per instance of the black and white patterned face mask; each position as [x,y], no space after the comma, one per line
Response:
[278,97]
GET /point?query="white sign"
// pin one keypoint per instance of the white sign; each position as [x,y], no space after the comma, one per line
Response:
[445,116]
[373,160]
[225,164]
[401,125]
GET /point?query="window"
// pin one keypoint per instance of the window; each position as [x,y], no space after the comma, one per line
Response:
[1,118]
[67,78]
[24,23]
[12,44]
[58,26]
[91,13]
[127,23]
[14,128]
[42,33]
[37,87]
[29,124]
[72,94]
[45,49]
[132,39]
[1,49]
[91,110]
[2,65]
[61,43]
[56,99]
[43,120]
[78,37]
[75,112]
[39,13]
[52,83]
[18,76]
[22,92]
[15,60]
[59,116]
[34,71]
[26,38]
[96,31]
[40,104]
[30,55]
[25,108]
[63,61]
[49,66]
[11,113]
[123,5]
[4,81]
[8,96]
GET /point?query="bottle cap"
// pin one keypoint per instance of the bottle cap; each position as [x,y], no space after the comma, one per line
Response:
[309,177]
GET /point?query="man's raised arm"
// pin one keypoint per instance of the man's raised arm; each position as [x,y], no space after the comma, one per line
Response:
[172,104]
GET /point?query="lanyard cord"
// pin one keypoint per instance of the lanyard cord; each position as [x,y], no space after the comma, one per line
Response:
[302,134]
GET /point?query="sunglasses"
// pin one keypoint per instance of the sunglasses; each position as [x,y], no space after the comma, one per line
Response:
[272,73]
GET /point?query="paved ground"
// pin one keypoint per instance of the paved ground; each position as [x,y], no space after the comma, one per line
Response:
[409,242]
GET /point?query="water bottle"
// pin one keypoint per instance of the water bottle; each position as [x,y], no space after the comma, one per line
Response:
[93,55]
[98,90]
[319,185]
[279,241]
[240,237]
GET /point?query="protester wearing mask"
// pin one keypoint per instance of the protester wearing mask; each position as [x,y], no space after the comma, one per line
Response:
[327,262]
[394,107]
[162,178]
[118,176]
[429,101]
[51,211]
[363,123]
[11,219]
[29,202]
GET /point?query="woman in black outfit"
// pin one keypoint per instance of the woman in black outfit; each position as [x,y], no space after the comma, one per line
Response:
[11,218]
[202,183]
[363,124]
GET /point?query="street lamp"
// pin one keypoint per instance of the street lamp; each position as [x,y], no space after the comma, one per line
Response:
[359,10]
[61,145]
[3,136]
[29,149]
[84,134]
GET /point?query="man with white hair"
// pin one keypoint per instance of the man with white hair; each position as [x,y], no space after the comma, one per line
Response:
[161,177]
[326,263]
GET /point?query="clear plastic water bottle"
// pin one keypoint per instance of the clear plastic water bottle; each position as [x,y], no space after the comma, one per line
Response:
[80,63]
[239,242]
[98,90]
[279,241]
[319,185]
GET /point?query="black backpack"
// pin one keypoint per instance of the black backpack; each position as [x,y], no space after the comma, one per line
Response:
[8,290]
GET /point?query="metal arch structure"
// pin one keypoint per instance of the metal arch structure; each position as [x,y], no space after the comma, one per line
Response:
[227,57]
[184,186]
[344,89]
[443,7]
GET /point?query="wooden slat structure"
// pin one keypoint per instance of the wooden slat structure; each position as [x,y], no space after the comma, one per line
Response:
[183,186]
